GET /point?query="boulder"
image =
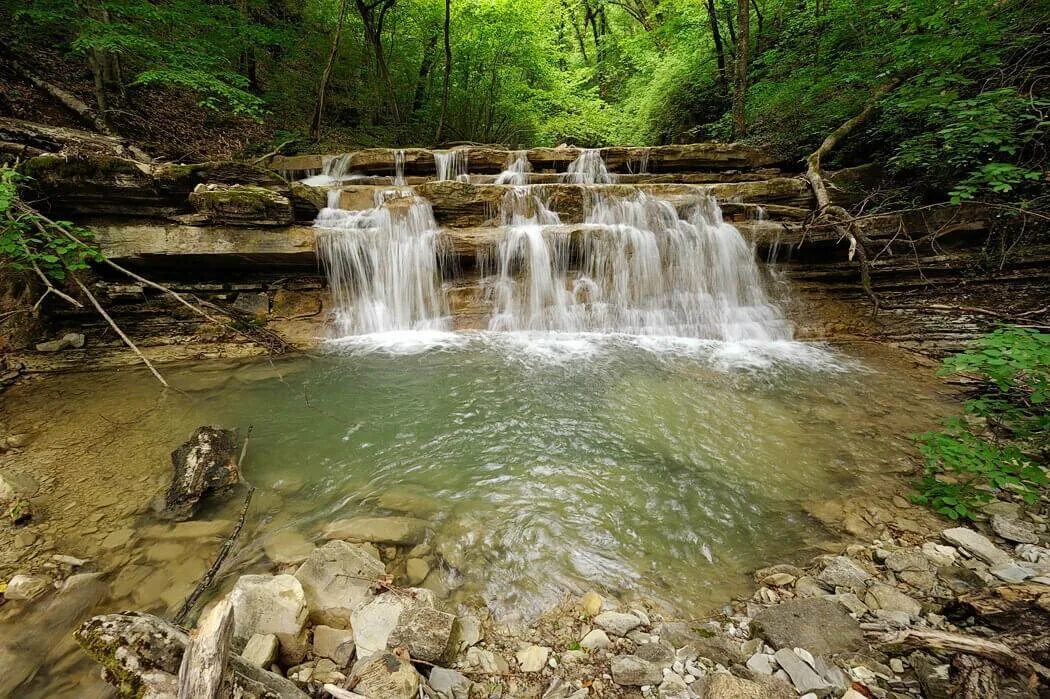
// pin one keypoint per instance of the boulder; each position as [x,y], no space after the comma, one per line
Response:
[401,531]
[337,578]
[205,464]
[268,604]
[335,644]
[402,619]
[633,671]
[617,623]
[385,675]
[242,205]
[819,625]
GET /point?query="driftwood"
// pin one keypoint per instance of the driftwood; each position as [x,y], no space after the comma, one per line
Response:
[141,654]
[205,664]
[204,464]
[924,639]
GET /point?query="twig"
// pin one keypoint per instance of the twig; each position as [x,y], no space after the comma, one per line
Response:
[272,153]
[227,546]
[113,324]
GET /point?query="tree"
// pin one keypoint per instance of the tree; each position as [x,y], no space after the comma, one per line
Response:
[448,73]
[740,89]
[716,38]
[373,14]
[326,74]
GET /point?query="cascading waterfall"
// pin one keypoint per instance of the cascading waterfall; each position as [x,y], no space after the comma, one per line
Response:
[399,168]
[518,168]
[452,164]
[383,265]
[589,168]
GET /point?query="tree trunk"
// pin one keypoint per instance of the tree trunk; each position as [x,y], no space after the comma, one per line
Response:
[740,92]
[720,56]
[425,66]
[448,71]
[326,74]
[373,21]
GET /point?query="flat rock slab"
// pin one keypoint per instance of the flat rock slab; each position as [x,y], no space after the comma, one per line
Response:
[401,531]
[977,544]
[820,626]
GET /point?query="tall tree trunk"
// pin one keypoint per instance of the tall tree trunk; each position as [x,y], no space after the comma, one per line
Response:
[720,55]
[373,14]
[576,30]
[98,69]
[448,72]
[425,66]
[740,93]
[326,74]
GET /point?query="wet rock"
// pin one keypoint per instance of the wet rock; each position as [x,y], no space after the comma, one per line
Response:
[337,579]
[533,658]
[449,684]
[803,676]
[881,596]
[254,304]
[617,623]
[596,639]
[976,544]
[287,547]
[633,671]
[402,531]
[1014,530]
[25,587]
[67,341]
[409,620]
[386,675]
[467,632]
[591,603]
[841,571]
[335,644]
[268,604]
[819,625]
[723,686]
[261,650]
[205,464]
[416,571]
[293,305]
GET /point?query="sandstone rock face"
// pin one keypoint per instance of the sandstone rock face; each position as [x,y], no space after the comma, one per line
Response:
[403,531]
[242,205]
[410,620]
[268,604]
[820,626]
[335,579]
[207,463]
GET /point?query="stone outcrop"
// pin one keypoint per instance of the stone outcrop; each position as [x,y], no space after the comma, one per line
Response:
[241,205]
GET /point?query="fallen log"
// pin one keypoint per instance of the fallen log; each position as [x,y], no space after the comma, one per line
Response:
[141,654]
[204,670]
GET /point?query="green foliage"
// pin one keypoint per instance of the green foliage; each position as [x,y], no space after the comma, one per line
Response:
[1000,444]
[29,242]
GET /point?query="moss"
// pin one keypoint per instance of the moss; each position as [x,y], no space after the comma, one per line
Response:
[56,168]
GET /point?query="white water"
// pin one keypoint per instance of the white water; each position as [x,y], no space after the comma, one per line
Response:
[518,168]
[383,265]
[452,164]
[589,168]
[399,168]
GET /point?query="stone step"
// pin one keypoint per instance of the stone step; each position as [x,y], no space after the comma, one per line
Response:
[486,159]
[560,178]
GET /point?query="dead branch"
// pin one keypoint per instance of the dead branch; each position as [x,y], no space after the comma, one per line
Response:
[272,153]
[227,545]
[998,653]
[205,664]
[116,328]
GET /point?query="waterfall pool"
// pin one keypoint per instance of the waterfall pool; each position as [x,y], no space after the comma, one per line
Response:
[545,465]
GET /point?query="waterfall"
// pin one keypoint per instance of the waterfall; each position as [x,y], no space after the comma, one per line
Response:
[383,265]
[399,168]
[589,168]
[451,164]
[517,172]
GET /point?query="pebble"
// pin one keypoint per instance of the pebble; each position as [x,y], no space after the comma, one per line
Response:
[897,665]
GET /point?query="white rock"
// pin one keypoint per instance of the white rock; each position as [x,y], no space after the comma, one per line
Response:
[617,623]
[977,544]
[761,663]
[407,619]
[939,554]
[1011,572]
[25,587]
[336,579]
[842,571]
[261,650]
[449,683]
[335,644]
[803,677]
[268,604]
[897,665]
[533,658]
[596,639]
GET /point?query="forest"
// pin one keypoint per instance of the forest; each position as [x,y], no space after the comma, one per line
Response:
[954,92]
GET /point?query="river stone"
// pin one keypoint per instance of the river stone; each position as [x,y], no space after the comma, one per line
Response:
[939,554]
[723,686]
[261,650]
[617,623]
[591,603]
[659,653]
[25,587]
[335,644]
[486,661]
[385,675]
[819,625]
[206,463]
[977,544]
[1014,530]
[718,649]
[337,579]
[807,586]
[634,671]
[596,639]
[268,604]
[803,677]
[449,684]
[842,571]
[761,663]
[407,619]
[403,531]
[881,596]
[416,571]
[907,560]
[533,658]
[673,687]
[287,547]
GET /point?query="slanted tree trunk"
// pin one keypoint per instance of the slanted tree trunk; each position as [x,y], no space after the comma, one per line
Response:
[720,54]
[448,72]
[326,74]
[740,91]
